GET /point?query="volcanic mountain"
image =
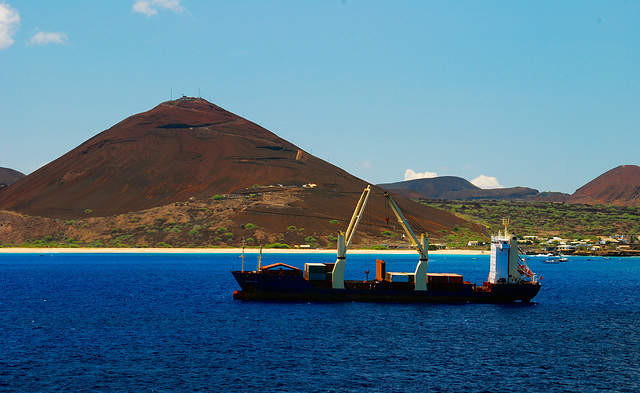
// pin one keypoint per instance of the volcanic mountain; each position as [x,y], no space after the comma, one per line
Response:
[9,176]
[180,149]
[619,186]
[189,149]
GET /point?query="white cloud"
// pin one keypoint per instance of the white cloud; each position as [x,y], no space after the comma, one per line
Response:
[9,25]
[44,38]
[410,174]
[151,7]
[486,182]
[365,164]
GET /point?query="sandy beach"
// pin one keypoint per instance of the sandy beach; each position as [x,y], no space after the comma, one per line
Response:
[220,251]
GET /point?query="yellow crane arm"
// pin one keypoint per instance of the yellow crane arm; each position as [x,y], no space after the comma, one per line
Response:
[422,246]
[405,225]
[344,240]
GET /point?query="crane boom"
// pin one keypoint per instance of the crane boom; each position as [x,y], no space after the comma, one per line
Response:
[345,239]
[357,215]
[421,246]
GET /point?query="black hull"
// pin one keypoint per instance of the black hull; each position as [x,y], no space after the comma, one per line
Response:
[263,287]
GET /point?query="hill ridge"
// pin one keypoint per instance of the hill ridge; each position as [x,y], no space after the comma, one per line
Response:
[618,186]
[9,176]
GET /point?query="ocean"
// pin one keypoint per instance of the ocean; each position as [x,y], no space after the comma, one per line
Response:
[168,323]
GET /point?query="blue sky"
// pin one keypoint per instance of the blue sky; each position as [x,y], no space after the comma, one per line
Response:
[541,94]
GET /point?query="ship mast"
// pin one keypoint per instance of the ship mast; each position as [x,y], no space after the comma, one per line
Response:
[345,239]
[505,222]
[421,246]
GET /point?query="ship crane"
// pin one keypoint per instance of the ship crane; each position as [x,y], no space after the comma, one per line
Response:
[345,239]
[421,246]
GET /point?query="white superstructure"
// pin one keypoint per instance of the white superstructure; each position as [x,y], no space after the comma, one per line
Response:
[506,266]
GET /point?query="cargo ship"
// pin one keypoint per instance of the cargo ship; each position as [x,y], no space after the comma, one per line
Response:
[509,280]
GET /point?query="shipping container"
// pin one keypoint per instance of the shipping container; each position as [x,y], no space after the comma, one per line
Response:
[437,278]
[455,278]
[315,268]
[381,269]
[311,276]
[400,277]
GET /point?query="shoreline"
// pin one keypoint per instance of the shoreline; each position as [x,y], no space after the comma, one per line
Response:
[255,251]
[19,250]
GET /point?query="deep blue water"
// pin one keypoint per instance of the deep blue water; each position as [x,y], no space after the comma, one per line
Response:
[158,323]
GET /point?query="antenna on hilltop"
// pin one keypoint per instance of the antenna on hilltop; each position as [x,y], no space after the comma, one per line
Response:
[199,96]
[171,93]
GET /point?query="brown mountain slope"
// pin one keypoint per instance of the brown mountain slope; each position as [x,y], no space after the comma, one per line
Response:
[9,176]
[272,215]
[191,149]
[619,186]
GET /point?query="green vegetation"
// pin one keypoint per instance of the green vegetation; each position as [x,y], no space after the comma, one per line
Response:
[217,197]
[249,226]
[51,242]
[122,241]
[277,245]
[195,231]
[291,227]
[545,219]
[461,237]
[380,247]
[334,222]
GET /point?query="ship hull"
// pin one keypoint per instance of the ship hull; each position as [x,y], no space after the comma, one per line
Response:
[262,287]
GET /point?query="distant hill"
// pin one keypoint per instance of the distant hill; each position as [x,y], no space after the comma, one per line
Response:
[191,150]
[436,187]
[456,188]
[9,176]
[619,186]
